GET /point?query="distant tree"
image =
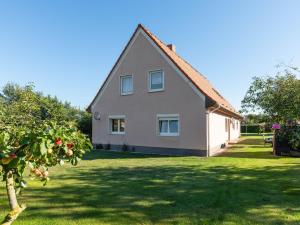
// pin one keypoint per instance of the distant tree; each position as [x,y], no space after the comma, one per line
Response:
[276,97]
[85,123]
[34,136]
[51,107]
[255,118]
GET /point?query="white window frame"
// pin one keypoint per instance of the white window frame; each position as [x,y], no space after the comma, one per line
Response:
[149,81]
[167,117]
[121,84]
[117,117]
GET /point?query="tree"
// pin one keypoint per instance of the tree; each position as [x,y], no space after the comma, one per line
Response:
[51,108]
[30,139]
[277,97]
[255,118]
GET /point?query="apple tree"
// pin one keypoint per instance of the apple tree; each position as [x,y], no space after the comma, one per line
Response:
[29,141]
[277,97]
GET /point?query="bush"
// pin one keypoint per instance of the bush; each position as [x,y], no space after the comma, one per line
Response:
[85,123]
[125,148]
[256,128]
[99,146]
[250,129]
[289,136]
[106,146]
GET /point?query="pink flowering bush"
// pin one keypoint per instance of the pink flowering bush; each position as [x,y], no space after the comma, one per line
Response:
[276,126]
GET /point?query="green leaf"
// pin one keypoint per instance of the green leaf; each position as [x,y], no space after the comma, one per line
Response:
[23,184]
[43,148]
[61,162]
[30,165]
[13,164]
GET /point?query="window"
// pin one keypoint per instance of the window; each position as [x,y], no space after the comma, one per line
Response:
[168,125]
[126,85]
[156,81]
[117,124]
[226,125]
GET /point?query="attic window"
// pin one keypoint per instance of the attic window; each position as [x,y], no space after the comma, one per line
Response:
[126,85]
[156,81]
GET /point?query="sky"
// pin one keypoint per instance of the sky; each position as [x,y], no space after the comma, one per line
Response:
[67,47]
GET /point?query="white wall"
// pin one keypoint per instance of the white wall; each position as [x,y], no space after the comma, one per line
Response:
[235,130]
[218,134]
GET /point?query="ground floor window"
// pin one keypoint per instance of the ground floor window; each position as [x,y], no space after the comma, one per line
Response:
[168,125]
[117,124]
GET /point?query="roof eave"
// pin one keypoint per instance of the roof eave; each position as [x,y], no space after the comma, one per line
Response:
[89,108]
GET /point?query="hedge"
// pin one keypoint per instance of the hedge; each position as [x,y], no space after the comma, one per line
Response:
[255,128]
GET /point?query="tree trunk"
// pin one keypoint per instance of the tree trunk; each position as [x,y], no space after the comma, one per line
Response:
[11,193]
[12,198]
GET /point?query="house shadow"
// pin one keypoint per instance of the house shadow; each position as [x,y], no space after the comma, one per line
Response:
[252,141]
[250,154]
[166,194]
[250,148]
[108,154]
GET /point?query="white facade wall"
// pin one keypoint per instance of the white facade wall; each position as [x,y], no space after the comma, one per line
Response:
[235,130]
[218,134]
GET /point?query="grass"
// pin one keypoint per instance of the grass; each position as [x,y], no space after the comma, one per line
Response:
[245,185]
[257,134]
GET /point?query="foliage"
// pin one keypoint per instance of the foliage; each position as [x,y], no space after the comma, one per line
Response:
[250,128]
[47,145]
[84,123]
[34,132]
[255,118]
[256,128]
[289,134]
[48,107]
[277,97]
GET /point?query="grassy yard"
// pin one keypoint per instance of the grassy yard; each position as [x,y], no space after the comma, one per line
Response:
[246,185]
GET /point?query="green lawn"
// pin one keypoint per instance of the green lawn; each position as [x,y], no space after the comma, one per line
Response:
[246,185]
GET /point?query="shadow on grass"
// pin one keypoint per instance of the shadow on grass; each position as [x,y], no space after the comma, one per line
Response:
[250,148]
[170,194]
[248,154]
[252,141]
[107,154]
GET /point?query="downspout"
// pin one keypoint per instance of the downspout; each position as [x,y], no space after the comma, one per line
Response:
[208,129]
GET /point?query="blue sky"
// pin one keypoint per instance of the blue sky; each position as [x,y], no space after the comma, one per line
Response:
[68,47]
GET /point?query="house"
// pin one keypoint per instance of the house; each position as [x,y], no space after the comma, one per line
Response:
[153,101]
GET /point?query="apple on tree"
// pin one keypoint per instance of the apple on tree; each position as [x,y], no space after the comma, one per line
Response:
[38,149]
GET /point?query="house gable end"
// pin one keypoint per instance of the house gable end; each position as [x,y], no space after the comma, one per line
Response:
[140,31]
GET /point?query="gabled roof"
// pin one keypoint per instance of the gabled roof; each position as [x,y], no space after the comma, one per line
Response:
[199,81]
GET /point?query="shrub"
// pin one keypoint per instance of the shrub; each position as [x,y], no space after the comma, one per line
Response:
[250,128]
[106,146]
[256,128]
[99,146]
[289,135]
[125,148]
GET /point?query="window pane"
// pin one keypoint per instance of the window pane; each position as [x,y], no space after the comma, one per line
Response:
[127,86]
[122,125]
[163,126]
[114,127]
[156,80]
[173,126]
